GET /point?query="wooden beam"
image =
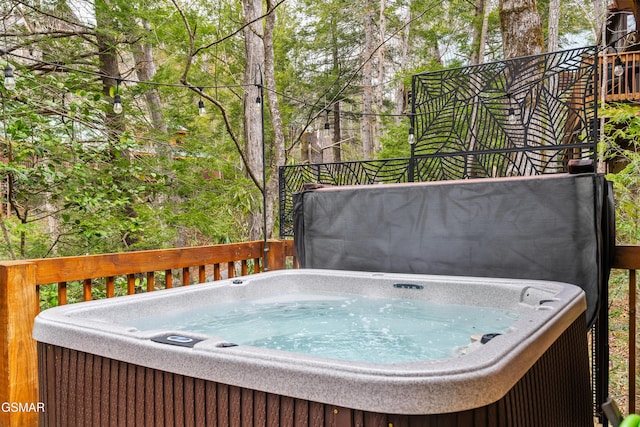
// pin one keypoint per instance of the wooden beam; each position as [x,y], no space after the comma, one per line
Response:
[66,269]
[626,258]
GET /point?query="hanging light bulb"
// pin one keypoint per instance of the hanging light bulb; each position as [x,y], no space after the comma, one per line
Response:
[618,68]
[257,106]
[9,80]
[117,104]
[412,138]
[117,101]
[201,110]
[326,124]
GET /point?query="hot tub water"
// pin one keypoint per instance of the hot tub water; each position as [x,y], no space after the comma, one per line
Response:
[339,326]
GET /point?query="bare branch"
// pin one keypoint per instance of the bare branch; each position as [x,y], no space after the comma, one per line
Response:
[50,15]
[218,104]
[237,31]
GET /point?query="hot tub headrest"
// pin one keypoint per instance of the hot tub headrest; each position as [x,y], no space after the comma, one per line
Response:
[549,227]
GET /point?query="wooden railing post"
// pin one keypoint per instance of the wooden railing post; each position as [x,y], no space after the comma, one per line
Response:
[19,403]
[628,258]
[276,255]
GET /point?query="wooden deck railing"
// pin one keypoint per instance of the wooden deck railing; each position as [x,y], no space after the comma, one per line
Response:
[628,258]
[626,86]
[19,303]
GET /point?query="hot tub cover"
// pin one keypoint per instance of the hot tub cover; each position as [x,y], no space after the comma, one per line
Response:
[549,227]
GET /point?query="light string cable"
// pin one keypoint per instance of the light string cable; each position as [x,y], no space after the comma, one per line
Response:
[200,87]
[314,106]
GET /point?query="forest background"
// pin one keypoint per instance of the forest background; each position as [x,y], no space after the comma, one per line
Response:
[181,163]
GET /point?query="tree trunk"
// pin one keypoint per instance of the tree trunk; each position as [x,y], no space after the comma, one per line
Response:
[336,145]
[253,79]
[554,20]
[146,69]
[367,130]
[109,69]
[600,21]
[337,122]
[480,26]
[380,59]
[401,91]
[276,118]
[521,28]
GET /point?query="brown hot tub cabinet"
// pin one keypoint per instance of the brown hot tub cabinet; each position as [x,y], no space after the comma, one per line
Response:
[96,369]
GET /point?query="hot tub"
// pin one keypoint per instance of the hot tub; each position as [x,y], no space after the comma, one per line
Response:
[104,363]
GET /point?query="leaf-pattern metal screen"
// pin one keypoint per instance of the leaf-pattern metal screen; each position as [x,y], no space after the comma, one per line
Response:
[522,116]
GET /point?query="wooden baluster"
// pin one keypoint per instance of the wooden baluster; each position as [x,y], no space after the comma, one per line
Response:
[202,274]
[110,287]
[62,293]
[151,281]
[168,279]
[216,271]
[243,268]
[131,284]
[185,276]
[231,269]
[86,290]
[633,75]
[256,265]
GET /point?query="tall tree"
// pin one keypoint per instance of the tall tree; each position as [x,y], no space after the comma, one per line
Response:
[271,187]
[253,33]
[521,28]
[146,69]
[553,26]
[367,122]
[479,35]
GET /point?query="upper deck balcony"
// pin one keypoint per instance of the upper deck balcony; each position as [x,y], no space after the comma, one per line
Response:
[622,74]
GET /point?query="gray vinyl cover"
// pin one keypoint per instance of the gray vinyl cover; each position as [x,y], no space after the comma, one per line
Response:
[548,227]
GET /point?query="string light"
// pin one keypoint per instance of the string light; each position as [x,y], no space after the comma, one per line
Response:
[181,85]
[301,102]
[618,69]
[117,104]
[412,138]
[9,80]
[326,124]
[201,110]
[117,101]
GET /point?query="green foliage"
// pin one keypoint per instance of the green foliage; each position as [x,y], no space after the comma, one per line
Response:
[395,143]
[622,140]
[84,180]
[75,289]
